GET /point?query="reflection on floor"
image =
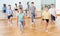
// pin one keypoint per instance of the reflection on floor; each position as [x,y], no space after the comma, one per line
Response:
[12,30]
[7,29]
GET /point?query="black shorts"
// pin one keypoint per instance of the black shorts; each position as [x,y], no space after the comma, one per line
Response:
[4,11]
[10,16]
[52,17]
[16,9]
[47,20]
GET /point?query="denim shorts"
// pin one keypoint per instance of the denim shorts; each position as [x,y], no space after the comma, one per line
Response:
[4,11]
[10,16]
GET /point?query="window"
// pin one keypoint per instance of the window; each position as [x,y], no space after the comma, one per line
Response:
[47,2]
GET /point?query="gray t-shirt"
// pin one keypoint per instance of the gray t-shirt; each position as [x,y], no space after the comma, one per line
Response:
[32,9]
[20,6]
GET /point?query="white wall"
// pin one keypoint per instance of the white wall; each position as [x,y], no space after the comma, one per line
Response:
[58,6]
[12,2]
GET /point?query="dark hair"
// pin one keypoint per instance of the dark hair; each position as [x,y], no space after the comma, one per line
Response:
[32,2]
[19,2]
[46,6]
[9,5]
[27,2]
[4,5]
[52,4]
[20,8]
[16,4]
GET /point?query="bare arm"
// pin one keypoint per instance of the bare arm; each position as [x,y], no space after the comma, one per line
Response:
[50,18]
[24,20]
[17,20]
[55,13]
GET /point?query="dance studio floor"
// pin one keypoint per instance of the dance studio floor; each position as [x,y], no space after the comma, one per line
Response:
[7,29]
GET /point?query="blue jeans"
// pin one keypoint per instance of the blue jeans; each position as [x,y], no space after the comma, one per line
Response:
[32,16]
[21,25]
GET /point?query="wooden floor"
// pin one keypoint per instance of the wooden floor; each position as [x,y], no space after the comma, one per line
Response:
[7,29]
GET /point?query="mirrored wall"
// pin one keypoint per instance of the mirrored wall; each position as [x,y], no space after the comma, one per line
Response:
[47,2]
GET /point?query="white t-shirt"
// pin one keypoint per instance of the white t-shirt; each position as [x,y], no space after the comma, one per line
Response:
[52,11]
